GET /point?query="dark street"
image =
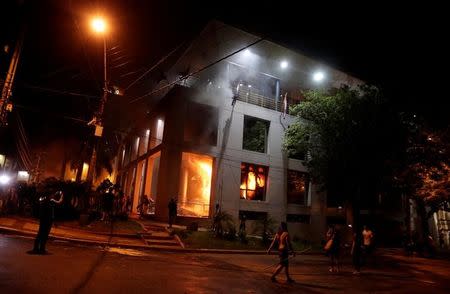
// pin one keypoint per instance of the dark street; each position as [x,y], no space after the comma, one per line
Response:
[74,269]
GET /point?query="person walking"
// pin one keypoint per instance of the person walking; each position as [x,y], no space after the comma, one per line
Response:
[283,240]
[332,248]
[143,206]
[356,252]
[172,211]
[108,203]
[367,245]
[46,216]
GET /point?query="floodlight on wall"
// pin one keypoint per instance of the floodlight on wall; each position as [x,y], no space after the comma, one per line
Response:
[318,76]
[284,64]
[4,179]
[247,52]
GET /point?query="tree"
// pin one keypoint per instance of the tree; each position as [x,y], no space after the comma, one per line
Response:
[255,135]
[351,138]
[425,176]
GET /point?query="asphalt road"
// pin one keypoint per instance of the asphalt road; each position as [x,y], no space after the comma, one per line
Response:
[77,269]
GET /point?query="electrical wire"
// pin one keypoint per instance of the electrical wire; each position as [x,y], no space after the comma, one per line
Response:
[197,71]
[62,92]
[154,66]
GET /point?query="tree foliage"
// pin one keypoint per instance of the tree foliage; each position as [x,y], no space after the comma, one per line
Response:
[350,137]
[255,135]
[426,173]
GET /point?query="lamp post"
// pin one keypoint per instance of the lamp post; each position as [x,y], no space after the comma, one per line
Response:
[99,27]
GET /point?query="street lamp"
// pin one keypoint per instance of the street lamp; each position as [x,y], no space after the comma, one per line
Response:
[99,26]
[318,76]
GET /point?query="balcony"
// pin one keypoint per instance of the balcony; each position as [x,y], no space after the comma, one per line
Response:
[250,97]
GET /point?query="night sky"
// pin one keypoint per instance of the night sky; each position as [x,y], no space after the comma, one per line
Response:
[400,49]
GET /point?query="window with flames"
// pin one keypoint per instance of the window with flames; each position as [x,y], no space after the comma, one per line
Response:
[253,181]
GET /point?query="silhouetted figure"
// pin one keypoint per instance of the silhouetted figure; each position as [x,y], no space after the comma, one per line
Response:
[242,224]
[46,216]
[108,203]
[356,252]
[283,240]
[143,206]
[333,250]
[441,239]
[172,211]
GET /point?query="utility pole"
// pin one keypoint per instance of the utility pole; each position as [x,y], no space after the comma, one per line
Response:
[98,118]
[5,104]
[37,171]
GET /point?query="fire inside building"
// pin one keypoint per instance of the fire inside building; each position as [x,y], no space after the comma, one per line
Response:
[216,137]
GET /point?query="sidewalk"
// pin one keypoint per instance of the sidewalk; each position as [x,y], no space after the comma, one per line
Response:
[29,227]
[154,236]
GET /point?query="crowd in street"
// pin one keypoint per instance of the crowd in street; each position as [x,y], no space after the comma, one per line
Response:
[333,249]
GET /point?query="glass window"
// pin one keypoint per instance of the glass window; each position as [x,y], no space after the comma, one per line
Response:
[253,181]
[201,124]
[195,185]
[157,133]
[255,134]
[297,187]
[151,181]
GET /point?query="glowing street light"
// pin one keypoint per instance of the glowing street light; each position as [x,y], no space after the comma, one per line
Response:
[98,25]
[318,76]
[4,179]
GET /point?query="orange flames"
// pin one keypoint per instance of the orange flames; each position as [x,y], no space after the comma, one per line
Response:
[195,184]
[204,168]
[253,181]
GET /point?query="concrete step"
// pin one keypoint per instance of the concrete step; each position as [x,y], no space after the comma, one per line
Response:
[171,243]
[155,228]
[150,236]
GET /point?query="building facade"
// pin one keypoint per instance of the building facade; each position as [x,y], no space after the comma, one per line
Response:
[215,137]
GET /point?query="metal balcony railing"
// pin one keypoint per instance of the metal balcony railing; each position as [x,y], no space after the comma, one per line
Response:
[193,209]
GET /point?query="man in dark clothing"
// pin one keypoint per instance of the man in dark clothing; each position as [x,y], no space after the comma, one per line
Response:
[108,202]
[46,216]
[172,211]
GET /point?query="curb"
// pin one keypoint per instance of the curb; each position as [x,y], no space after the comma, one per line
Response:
[7,230]
[136,235]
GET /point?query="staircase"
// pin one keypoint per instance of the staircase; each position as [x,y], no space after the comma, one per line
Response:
[158,236]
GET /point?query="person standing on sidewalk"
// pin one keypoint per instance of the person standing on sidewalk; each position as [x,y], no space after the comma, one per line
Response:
[46,216]
[172,211]
[283,240]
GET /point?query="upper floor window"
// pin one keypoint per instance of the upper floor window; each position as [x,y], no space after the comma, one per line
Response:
[201,124]
[253,181]
[297,187]
[156,136]
[256,133]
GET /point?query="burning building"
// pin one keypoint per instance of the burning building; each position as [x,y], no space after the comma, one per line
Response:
[216,136]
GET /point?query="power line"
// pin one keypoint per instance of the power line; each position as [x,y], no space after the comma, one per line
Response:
[54,114]
[59,91]
[155,65]
[197,71]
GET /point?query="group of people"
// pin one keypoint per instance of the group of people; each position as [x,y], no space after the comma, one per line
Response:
[333,248]
[282,242]
[112,201]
